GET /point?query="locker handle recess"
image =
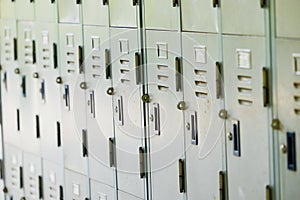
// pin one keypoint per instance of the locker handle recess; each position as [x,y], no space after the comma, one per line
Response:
[107,64]
[194,128]
[178,74]
[67,96]
[55,62]
[33,52]
[84,143]
[291,151]
[181,176]
[120,111]
[142,162]
[1,169]
[42,90]
[92,104]
[80,59]
[222,185]
[137,68]
[236,138]
[218,80]
[266,95]
[23,85]
[61,192]
[175,3]
[156,111]
[111,152]
[216,3]
[15,49]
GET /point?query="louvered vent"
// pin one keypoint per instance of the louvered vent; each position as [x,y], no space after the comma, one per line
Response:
[200,83]
[46,54]
[297,98]
[28,54]
[96,65]
[8,50]
[244,90]
[162,77]
[52,192]
[32,185]
[125,71]
[71,62]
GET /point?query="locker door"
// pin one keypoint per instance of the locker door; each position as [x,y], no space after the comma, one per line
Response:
[95,12]
[288,81]
[8,9]
[204,130]
[127,110]
[33,179]
[73,98]
[53,186]
[46,11]
[166,121]
[246,94]
[69,11]
[101,191]
[199,16]
[25,9]
[14,172]
[77,187]
[243,17]
[123,13]
[99,104]
[48,97]
[2,172]
[286,18]
[162,14]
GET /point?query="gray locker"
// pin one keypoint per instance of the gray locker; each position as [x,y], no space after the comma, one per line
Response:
[199,16]
[99,104]
[46,11]
[162,14]
[69,11]
[127,109]
[287,16]
[8,9]
[48,96]
[95,12]
[166,120]
[288,82]
[53,185]
[14,172]
[73,87]
[204,130]
[33,179]
[124,13]
[243,17]
[21,6]
[77,186]
[101,191]
[246,95]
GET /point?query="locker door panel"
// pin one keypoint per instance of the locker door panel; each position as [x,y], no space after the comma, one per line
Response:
[288,79]
[101,191]
[42,6]
[203,11]
[8,9]
[27,5]
[123,13]
[69,11]
[161,15]
[127,110]
[236,17]
[287,16]
[95,12]
[99,103]
[73,98]
[166,126]
[204,129]
[77,187]
[244,59]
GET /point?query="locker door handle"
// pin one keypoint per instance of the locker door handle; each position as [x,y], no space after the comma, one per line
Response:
[80,59]
[91,103]
[105,2]
[291,151]
[137,68]
[236,138]
[119,110]
[111,152]
[218,80]
[135,2]
[266,95]
[33,52]
[175,3]
[222,185]
[178,74]
[55,62]
[142,162]
[15,49]
[66,96]
[156,111]
[263,3]
[181,176]
[107,64]
[194,128]
[216,3]
[84,143]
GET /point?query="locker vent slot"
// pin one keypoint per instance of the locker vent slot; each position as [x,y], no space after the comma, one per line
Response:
[46,57]
[52,192]
[296,85]
[297,98]
[7,50]
[14,174]
[200,83]
[244,90]
[32,186]
[28,53]
[71,62]
[162,77]
[96,64]
[125,71]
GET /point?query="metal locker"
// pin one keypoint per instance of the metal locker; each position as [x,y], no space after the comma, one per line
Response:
[288,83]
[162,14]
[165,89]
[13,172]
[204,130]
[69,11]
[198,15]
[95,12]
[127,110]
[77,186]
[7,9]
[49,97]
[99,104]
[33,178]
[101,191]
[46,11]
[53,185]
[243,17]
[246,95]
[21,6]
[73,87]
[287,16]
[124,13]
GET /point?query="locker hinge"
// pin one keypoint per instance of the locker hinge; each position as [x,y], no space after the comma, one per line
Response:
[40,187]
[266,93]
[107,64]
[15,49]
[178,74]
[142,162]
[84,143]
[175,3]
[222,185]
[80,59]
[216,3]
[111,152]
[276,124]
[105,2]
[263,3]
[21,177]
[181,175]
[219,79]
[135,2]
[268,193]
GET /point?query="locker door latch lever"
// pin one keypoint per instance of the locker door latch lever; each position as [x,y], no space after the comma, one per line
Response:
[107,64]
[222,185]
[181,176]
[138,68]
[142,162]
[178,74]
[111,152]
